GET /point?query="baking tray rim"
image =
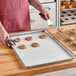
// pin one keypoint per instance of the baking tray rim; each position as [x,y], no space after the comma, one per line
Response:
[72,56]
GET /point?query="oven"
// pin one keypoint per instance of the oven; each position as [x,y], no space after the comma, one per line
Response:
[66,12]
[46,1]
[36,21]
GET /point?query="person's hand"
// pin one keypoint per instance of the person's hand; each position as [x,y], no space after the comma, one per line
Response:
[46,14]
[38,6]
[3,34]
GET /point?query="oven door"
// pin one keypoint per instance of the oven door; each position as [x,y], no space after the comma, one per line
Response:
[44,1]
[37,22]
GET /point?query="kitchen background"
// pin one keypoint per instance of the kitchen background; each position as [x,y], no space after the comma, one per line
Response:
[36,21]
[63,12]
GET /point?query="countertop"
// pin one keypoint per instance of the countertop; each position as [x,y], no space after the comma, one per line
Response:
[10,65]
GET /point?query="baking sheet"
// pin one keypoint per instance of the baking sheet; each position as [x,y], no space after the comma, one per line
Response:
[64,16]
[50,50]
[65,34]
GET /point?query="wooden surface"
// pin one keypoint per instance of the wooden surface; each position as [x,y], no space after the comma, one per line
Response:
[11,66]
[61,39]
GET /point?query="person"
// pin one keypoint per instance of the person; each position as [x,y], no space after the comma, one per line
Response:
[14,16]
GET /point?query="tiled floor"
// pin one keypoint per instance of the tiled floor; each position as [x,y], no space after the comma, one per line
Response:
[68,72]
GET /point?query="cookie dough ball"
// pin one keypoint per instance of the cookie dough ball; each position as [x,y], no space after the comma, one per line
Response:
[66,19]
[42,36]
[74,14]
[73,18]
[22,46]
[72,11]
[62,15]
[60,29]
[35,44]
[74,43]
[69,15]
[17,39]
[28,38]
[73,31]
[64,12]
[70,38]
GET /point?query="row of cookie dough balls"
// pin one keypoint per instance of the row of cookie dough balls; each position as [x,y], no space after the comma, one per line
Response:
[70,38]
[73,31]
[29,39]
[33,45]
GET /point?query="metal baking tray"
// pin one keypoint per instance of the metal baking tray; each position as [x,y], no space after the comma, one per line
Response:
[65,34]
[65,19]
[49,51]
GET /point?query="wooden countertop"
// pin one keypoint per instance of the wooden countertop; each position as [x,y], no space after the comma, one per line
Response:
[11,66]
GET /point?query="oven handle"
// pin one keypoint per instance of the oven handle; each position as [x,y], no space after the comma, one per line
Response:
[34,11]
[47,8]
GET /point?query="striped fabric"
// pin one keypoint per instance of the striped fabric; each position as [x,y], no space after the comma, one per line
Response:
[1,14]
[15,15]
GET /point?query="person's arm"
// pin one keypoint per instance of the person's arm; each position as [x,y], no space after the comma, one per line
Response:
[3,33]
[39,7]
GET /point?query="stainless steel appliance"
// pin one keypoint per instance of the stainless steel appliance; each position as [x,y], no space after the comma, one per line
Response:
[66,12]
[46,1]
[36,21]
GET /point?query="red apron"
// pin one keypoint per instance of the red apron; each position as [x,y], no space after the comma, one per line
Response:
[14,15]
